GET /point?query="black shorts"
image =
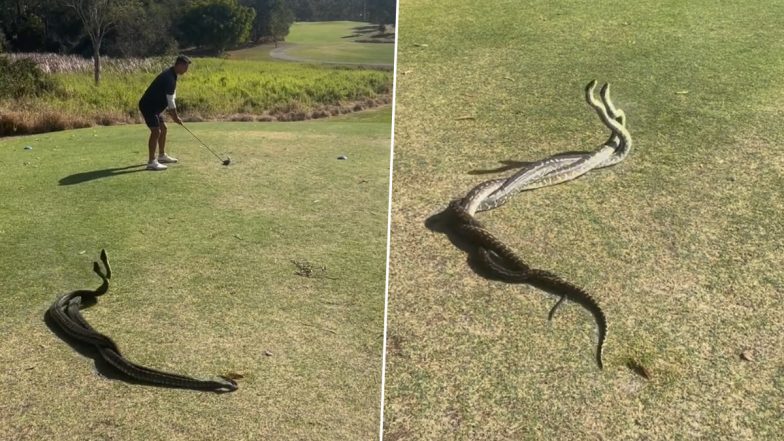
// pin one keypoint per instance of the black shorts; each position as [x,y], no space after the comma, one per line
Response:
[152,119]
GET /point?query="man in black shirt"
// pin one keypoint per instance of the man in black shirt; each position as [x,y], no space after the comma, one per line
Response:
[157,98]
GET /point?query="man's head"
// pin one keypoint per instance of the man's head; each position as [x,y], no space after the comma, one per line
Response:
[181,64]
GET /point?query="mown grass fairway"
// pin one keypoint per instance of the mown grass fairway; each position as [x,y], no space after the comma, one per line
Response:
[681,244]
[203,280]
[326,42]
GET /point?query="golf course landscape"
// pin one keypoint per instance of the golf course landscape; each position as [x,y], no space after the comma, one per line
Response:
[270,270]
[337,42]
[245,85]
[205,261]
[681,243]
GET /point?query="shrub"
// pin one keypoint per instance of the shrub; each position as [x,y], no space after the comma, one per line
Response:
[22,78]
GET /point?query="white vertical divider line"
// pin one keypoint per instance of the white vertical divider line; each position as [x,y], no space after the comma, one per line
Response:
[389,224]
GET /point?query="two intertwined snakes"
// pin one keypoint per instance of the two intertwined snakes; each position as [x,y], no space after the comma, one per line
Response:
[65,313]
[500,259]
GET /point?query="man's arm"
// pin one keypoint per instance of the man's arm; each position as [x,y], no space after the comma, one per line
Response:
[171,107]
[172,111]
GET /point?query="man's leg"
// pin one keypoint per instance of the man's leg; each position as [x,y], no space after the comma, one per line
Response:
[163,158]
[162,139]
[154,123]
[152,143]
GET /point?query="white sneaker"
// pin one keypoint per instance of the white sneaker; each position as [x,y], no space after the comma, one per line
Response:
[166,159]
[155,165]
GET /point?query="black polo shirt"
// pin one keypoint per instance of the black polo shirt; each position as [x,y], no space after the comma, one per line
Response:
[154,98]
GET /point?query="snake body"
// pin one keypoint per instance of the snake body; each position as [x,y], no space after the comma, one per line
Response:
[65,312]
[499,258]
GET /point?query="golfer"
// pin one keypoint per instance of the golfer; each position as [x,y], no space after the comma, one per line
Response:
[157,98]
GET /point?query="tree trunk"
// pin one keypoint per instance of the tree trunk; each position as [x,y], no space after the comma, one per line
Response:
[97,61]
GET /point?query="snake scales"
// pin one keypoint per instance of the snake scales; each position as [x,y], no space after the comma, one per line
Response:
[499,258]
[65,313]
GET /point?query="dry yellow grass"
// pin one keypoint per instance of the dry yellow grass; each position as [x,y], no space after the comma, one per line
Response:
[681,244]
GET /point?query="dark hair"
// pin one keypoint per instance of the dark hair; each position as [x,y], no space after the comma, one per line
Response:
[182,59]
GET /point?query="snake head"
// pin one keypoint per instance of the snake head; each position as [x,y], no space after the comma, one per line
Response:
[230,385]
[105,260]
[589,87]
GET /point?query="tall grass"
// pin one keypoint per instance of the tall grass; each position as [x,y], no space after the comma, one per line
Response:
[56,63]
[213,88]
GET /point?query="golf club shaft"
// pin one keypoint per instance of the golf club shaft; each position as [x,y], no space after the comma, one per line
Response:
[201,142]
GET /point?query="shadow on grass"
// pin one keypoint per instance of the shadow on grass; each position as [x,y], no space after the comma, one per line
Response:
[78,178]
[509,164]
[444,222]
[365,29]
[102,367]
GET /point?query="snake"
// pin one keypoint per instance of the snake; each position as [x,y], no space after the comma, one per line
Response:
[500,259]
[65,312]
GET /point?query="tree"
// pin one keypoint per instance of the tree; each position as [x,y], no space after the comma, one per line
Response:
[304,10]
[281,19]
[327,10]
[3,42]
[98,17]
[273,19]
[261,23]
[381,12]
[23,24]
[144,33]
[216,24]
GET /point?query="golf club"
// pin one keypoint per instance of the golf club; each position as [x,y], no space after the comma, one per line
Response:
[226,161]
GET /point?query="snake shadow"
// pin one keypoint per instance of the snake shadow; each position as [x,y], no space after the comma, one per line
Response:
[509,164]
[78,178]
[102,367]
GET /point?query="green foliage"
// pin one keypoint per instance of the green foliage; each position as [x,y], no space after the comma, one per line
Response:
[281,19]
[138,28]
[144,32]
[35,25]
[216,24]
[260,27]
[381,12]
[273,19]
[329,10]
[22,78]
[28,32]
[216,87]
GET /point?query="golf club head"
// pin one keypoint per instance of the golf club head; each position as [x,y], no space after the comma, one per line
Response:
[227,161]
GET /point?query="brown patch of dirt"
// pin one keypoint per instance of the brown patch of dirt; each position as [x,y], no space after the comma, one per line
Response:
[395,345]
[243,117]
[397,435]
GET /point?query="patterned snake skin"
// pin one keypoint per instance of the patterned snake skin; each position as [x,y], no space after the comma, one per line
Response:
[65,313]
[500,259]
